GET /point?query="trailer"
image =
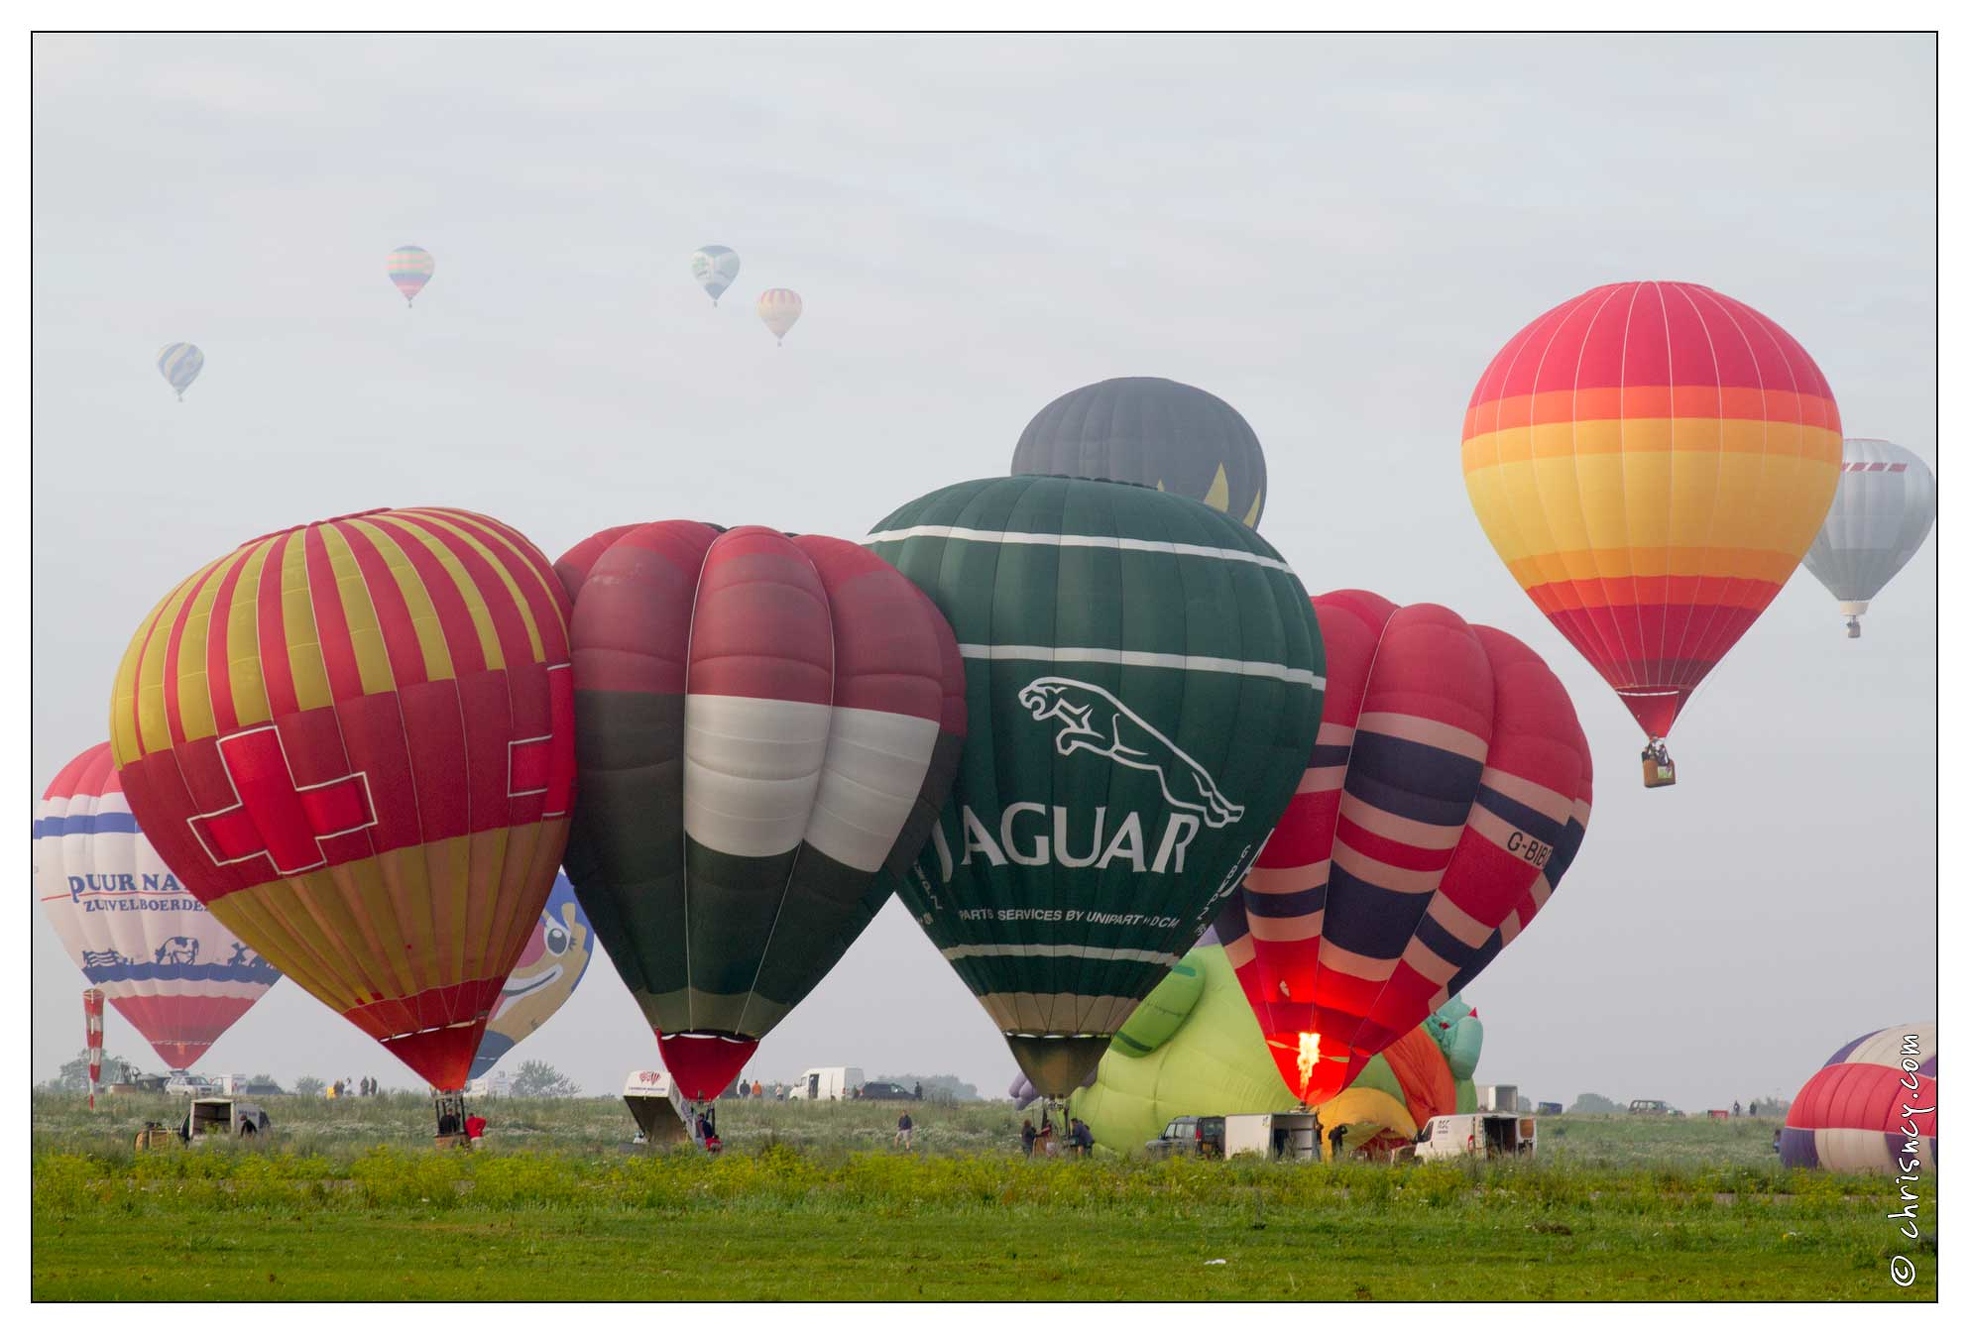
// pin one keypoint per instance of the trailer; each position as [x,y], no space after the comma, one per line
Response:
[1497,1098]
[827,1083]
[662,1115]
[224,1116]
[1491,1135]
[1279,1136]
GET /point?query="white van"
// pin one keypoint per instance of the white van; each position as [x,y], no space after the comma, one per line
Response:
[1492,1134]
[827,1083]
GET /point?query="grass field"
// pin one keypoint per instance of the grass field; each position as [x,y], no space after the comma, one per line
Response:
[809,1201]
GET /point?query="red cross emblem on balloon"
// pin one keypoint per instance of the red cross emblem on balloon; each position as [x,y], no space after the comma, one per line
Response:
[273,815]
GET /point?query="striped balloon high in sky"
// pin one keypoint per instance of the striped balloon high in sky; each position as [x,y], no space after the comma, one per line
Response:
[179,364]
[1651,460]
[168,965]
[780,307]
[1447,794]
[1880,516]
[1873,1105]
[354,742]
[1143,678]
[410,267]
[766,723]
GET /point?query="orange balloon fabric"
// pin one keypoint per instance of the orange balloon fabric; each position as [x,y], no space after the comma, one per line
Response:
[354,742]
[1652,460]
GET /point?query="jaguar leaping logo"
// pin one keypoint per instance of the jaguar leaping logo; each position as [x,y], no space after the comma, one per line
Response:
[1093,720]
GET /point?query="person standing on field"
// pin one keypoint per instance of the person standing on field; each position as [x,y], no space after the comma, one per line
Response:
[905,1131]
[1027,1136]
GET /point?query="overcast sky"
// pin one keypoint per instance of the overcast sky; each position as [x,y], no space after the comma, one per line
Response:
[1333,234]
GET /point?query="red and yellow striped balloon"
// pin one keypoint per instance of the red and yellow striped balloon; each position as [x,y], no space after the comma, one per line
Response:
[1652,460]
[354,742]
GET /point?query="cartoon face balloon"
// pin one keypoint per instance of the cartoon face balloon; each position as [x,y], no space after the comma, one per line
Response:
[550,967]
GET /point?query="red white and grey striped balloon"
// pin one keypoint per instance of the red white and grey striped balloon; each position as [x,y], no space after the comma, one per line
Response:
[764,723]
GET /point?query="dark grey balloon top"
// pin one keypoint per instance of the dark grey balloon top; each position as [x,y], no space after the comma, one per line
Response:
[1154,432]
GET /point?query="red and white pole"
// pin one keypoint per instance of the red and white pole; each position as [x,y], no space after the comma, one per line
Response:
[92,1018]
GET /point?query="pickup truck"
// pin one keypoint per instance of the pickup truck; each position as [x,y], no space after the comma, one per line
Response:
[1189,1136]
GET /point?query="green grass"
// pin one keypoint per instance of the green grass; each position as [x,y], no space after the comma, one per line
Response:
[563,1211]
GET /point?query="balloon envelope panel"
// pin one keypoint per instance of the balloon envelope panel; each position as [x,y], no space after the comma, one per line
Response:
[1448,793]
[166,963]
[1651,460]
[354,741]
[1873,1105]
[1151,432]
[765,722]
[1144,684]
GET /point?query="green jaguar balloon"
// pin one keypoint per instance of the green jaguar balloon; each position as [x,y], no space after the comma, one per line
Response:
[1143,682]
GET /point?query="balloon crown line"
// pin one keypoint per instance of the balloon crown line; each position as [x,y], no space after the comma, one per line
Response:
[321,523]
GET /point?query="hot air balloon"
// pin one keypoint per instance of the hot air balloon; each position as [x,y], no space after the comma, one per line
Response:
[354,742]
[1143,679]
[1871,1107]
[550,967]
[168,966]
[1447,794]
[1193,1048]
[1880,516]
[179,364]
[1155,433]
[715,267]
[765,723]
[1651,460]
[779,307]
[410,267]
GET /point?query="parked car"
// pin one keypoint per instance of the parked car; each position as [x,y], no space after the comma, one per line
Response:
[1650,1107]
[1189,1136]
[188,1086]
[883,1091]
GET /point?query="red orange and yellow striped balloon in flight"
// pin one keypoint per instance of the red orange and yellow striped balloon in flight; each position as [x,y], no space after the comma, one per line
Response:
[1651,460]
[354,742]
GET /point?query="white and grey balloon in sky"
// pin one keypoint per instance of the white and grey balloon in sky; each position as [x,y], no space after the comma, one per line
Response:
[1880,516]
